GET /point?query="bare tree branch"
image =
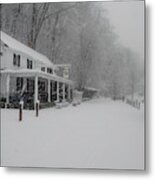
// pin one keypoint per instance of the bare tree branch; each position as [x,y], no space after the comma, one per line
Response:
[60,11]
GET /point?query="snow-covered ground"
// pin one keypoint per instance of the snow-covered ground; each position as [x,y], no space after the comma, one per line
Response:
[96,134]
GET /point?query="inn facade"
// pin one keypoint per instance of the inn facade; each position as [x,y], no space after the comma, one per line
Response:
[31,76]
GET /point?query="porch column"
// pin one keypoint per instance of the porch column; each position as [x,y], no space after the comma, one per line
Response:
[7,88]
[36,90]
[49,90]
[69,92]
[63,91]
[57,91]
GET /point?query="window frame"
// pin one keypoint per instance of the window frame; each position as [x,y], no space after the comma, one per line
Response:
[49,70]
[16,60]
[29,64]
[43,69]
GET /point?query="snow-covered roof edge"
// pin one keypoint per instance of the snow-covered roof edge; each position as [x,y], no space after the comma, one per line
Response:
[36,71]
[18,46]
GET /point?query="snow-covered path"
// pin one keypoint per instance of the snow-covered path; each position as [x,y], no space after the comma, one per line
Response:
[95,134]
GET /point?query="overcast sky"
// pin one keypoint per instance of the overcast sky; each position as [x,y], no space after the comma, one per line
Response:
[128,20]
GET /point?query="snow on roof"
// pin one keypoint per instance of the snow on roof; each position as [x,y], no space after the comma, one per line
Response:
[30,72]
[18,46]
[91,89]
[63,65]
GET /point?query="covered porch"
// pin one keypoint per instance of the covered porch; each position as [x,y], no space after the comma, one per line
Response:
[36,85]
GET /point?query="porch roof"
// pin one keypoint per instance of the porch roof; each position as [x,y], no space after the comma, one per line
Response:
[36,72]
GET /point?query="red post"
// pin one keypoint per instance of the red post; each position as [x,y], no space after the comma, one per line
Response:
[37,108]
[20,110]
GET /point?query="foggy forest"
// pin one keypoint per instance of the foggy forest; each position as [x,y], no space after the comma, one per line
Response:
[82,35]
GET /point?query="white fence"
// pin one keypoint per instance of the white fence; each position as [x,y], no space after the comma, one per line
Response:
[134,103]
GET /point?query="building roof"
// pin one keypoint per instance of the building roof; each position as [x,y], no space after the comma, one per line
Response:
[18,46]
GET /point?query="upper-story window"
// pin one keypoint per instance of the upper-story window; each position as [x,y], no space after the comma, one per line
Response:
[29,64]
[49,70]
[16,60]
[18,57]
[43,69]
[5,45]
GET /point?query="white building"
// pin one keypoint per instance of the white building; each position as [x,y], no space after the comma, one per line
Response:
[29,74]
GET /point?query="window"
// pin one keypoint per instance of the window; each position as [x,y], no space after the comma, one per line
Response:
[5,45]
[41,86]
[49,70]
[16,60]
[29,64]
[43,69]
[30,85]
[1,54]
[19,83]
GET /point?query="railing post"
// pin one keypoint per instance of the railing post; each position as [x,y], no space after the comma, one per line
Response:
[49,90]
[63,91]
[57,92]
[36,91]
[7,88]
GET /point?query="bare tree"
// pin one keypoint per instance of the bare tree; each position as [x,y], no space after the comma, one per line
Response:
[39,16]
